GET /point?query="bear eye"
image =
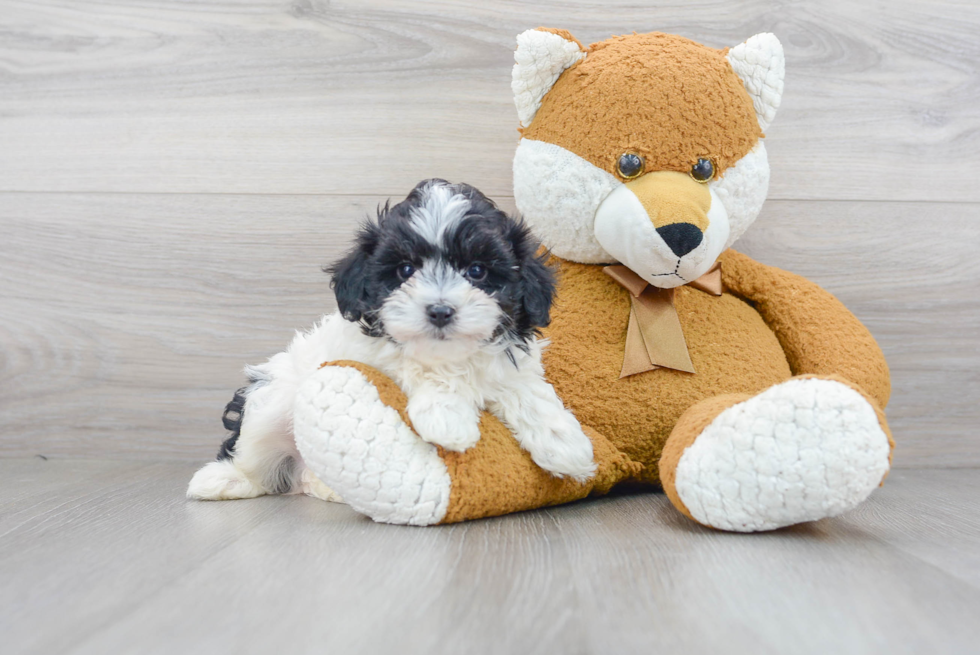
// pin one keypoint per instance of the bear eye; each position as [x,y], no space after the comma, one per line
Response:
[703,171]
[630,165]
[405,271]
[477,272]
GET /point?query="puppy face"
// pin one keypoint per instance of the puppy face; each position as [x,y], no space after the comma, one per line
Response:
[445,272]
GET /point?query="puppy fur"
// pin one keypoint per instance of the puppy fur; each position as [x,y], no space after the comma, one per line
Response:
[444,293]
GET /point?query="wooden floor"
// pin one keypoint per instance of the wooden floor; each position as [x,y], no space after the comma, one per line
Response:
[108,557]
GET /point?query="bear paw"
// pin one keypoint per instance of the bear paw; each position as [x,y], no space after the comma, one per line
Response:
[362,449]
[800,451]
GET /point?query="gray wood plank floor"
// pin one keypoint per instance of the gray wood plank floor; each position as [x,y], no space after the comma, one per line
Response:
[108,557]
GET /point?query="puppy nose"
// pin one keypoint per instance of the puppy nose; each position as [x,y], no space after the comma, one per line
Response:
[440,315]
[682,238]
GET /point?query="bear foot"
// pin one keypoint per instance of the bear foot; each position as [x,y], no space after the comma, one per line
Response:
[364,450]
[803,450]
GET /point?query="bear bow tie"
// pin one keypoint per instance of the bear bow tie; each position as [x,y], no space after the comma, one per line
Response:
[654,338]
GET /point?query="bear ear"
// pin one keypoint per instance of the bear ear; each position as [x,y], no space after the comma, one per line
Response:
[542,55]
[760,63]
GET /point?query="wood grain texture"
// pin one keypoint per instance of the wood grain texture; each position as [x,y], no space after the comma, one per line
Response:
[125,319]
[882,100]
[100,557]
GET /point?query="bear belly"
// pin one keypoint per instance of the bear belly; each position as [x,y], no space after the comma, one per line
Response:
[732,349]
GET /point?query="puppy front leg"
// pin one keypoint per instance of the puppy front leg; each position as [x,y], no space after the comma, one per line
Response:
[445,419]
[541,424]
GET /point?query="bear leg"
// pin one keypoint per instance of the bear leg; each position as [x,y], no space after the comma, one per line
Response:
[802,450]
[353,431]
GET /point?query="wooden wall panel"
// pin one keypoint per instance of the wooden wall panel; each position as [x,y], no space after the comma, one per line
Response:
[173,173]
[125,319]
[882,101]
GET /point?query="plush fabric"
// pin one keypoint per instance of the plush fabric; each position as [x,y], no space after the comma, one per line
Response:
[731,347]
[803,450]
[783,419]
[364,449]
[550,180]
[815,330]
[494,477]
[664,97]
[742,190]
[686,431]
[497,477]
[760,64]
[544,55]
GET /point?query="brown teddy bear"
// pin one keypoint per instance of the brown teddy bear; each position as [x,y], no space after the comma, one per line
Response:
[754,397]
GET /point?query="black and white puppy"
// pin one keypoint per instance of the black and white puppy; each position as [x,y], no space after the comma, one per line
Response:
[444,293]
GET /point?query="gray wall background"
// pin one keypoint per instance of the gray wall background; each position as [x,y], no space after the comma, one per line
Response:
[173,174]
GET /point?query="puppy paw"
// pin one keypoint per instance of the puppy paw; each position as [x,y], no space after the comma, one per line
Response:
[445,421]
[221,480]
[311,485]
[561,448]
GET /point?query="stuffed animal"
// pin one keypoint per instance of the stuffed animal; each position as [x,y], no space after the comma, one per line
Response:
[751,395]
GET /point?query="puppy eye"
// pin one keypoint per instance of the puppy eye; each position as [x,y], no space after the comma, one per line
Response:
[405,271]
[630,165]
[703,171]
[477,272]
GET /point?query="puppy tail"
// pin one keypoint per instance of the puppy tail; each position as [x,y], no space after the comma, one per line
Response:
[234,412]
[232,420]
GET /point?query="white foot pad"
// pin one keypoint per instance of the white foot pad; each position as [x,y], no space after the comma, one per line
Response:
[800,451]
[362,449]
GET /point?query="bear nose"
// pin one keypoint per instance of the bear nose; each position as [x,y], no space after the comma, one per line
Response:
[440,315]
[682,238]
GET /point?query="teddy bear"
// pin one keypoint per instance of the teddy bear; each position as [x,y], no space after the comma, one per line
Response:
[750,395]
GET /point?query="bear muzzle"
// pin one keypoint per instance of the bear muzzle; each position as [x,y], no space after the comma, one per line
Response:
[665,226]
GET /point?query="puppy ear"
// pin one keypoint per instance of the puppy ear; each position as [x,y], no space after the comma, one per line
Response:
[349,275]
[538,290]
[537,282]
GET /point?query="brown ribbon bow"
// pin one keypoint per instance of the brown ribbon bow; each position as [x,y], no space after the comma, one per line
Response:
[654,338]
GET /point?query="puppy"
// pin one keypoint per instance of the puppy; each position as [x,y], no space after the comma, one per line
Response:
[445,294]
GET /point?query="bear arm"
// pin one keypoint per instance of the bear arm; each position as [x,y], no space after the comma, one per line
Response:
[497,476]
[816,331]
[388,392]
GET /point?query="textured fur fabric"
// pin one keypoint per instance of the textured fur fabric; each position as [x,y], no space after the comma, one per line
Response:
[802,450]
[735,350]
[544,55]
[664,97]
[783,420]
[588,338]
[352,427]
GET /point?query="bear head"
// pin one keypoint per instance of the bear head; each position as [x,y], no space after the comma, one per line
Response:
[645,149]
